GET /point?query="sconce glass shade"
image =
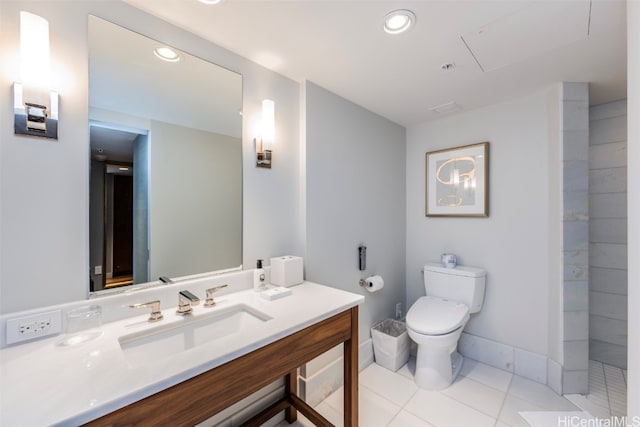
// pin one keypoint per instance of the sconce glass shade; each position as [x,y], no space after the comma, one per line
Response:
[35,106]
[264,143]
[35,65]
[268,124]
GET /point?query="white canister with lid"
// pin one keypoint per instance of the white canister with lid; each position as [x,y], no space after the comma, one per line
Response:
[449,260]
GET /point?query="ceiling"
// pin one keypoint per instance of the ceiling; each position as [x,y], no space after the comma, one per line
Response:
[501,49]
[114,145]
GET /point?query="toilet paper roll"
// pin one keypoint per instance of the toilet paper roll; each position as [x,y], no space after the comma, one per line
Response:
[374,283]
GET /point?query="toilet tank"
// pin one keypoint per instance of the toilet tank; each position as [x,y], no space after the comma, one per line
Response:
[462,284]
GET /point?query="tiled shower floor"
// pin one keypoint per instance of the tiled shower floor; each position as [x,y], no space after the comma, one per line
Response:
[481,396]
[607,391]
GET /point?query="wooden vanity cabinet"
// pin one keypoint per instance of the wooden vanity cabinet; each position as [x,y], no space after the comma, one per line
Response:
[199,398]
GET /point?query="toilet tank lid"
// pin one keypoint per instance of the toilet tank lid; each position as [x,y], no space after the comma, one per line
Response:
[460,270]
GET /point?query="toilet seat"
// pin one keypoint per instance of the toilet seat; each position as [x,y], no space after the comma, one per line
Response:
[436,316]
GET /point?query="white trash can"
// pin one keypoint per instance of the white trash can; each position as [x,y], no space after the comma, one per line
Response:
[390,344]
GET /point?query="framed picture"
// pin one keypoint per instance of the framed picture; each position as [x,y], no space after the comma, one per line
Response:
[458,181]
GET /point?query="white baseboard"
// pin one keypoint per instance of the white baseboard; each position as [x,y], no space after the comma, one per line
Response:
[521,362]
[318,383]
[365,353]
[554,375]
[530,365]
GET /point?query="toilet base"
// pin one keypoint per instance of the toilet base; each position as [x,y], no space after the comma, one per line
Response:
[436,368]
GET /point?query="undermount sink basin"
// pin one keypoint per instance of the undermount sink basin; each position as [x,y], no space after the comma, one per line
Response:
[167,340]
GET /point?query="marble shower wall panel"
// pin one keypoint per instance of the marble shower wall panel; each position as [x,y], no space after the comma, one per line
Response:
[608,233]
[575,235]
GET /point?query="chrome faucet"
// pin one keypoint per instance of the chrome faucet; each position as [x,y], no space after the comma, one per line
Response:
[156,314]
[186,301]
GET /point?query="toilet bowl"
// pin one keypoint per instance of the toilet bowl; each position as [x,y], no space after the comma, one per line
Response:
[435,324]
[435,321]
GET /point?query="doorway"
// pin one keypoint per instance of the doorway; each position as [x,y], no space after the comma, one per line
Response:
[118,253]
[119,207]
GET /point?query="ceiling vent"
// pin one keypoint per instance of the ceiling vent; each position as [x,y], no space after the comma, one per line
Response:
[449,107]
[535,29]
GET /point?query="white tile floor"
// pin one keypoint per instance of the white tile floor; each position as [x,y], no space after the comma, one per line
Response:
[481,396]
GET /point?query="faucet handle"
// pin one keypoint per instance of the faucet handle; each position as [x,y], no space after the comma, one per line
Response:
[209,302]
[156,314]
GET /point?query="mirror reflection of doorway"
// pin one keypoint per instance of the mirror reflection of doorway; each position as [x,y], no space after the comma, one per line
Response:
[119,226]
[119,207]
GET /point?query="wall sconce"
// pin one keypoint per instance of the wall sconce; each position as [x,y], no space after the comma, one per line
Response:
[264,143]
[35,107]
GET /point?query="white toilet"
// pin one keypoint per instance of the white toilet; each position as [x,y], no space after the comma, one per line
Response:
[436,320]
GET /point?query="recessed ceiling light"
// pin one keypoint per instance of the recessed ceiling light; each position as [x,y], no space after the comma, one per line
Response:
[166,54]
[399,21]
[210,1]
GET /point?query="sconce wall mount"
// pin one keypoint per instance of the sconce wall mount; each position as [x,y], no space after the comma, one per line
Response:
[263,157]
[35,112]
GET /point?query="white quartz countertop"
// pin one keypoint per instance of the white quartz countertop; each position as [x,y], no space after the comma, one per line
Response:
[44,383]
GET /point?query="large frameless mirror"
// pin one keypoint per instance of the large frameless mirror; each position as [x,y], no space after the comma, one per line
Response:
[166,161]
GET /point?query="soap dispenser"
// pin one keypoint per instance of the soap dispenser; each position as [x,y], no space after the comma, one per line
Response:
[259,281]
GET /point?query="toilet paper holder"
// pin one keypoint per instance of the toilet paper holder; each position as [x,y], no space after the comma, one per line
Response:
[372,283]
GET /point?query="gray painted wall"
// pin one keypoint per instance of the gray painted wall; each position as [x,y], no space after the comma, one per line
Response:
[608,233]
[141,209]
[108,238]
[193,228]
[96,221]
[355,194]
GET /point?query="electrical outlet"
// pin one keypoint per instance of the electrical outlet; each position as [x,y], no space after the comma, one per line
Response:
[98,270]
[34,326]
[399,310]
